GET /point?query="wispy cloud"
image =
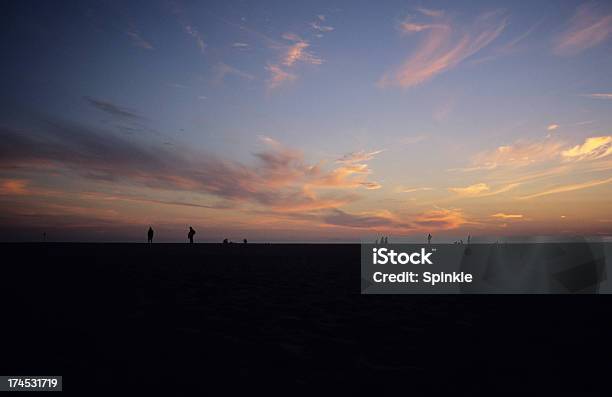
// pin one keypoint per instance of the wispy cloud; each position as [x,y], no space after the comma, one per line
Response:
[568,188]
[501,215]
[112,109]
[599,96]
[481,190]
[291,55]
[240,45]
[279,178]
[298,51]
[445,45]
[414,189]
[589,26]
[13,187]
[364,221]
[442,218]
[552,127]
[189,28]
[278,76]
[193,32]
[222,70]
[358,157]
[519,154]
[316,25]
[138,41]
[592,148]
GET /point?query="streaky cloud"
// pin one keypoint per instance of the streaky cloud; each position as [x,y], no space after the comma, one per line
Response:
[112,108]
[445,45]
[589,27]
[568,188]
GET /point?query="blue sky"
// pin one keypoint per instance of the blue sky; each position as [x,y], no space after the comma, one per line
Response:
[386,117]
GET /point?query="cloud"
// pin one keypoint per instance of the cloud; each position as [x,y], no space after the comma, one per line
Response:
[362,221]
[409,140]
[222,70]
[552,127]
[442,218]
[519,154]
[240,45]
[278,76]
[138,41]
[481,190]
[501,215]
[599,96]
[278,179]
[431,12]
[184,21]
[193,32]
[588,27]
[358,157]
[568,188]
[592,148]
[112,109]
[445,45]
[316,25]
[472,190]
[13,187]
[415,189]
[298,52]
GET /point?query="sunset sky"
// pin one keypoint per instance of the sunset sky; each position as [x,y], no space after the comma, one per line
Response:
[305,121]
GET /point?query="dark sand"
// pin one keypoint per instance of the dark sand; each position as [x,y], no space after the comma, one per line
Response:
[179,318]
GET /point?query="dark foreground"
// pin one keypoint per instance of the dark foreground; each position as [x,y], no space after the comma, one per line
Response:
[179,318]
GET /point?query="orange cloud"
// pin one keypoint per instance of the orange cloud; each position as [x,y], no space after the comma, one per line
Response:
[13,187]
[592,148]
[501,215]
[442,219]
[481,190]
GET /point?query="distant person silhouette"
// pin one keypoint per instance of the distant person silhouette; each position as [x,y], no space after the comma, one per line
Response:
[225,241]
[150,234]
[245,241]
[386,240]
[429,238]
[469,238]
[191,234]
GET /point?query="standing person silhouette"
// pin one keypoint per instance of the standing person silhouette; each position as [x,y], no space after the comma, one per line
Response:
[190,234]
[429,239]
[150,234]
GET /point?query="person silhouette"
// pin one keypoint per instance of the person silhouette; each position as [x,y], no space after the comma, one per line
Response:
[225,241]
[245,241]
[469,238]
[150,234]
[190,234]
[429,238]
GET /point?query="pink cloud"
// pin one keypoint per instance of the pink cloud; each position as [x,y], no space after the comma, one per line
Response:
[445,45]
[588,28]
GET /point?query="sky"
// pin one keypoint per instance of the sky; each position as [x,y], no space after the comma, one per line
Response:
[305,121]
